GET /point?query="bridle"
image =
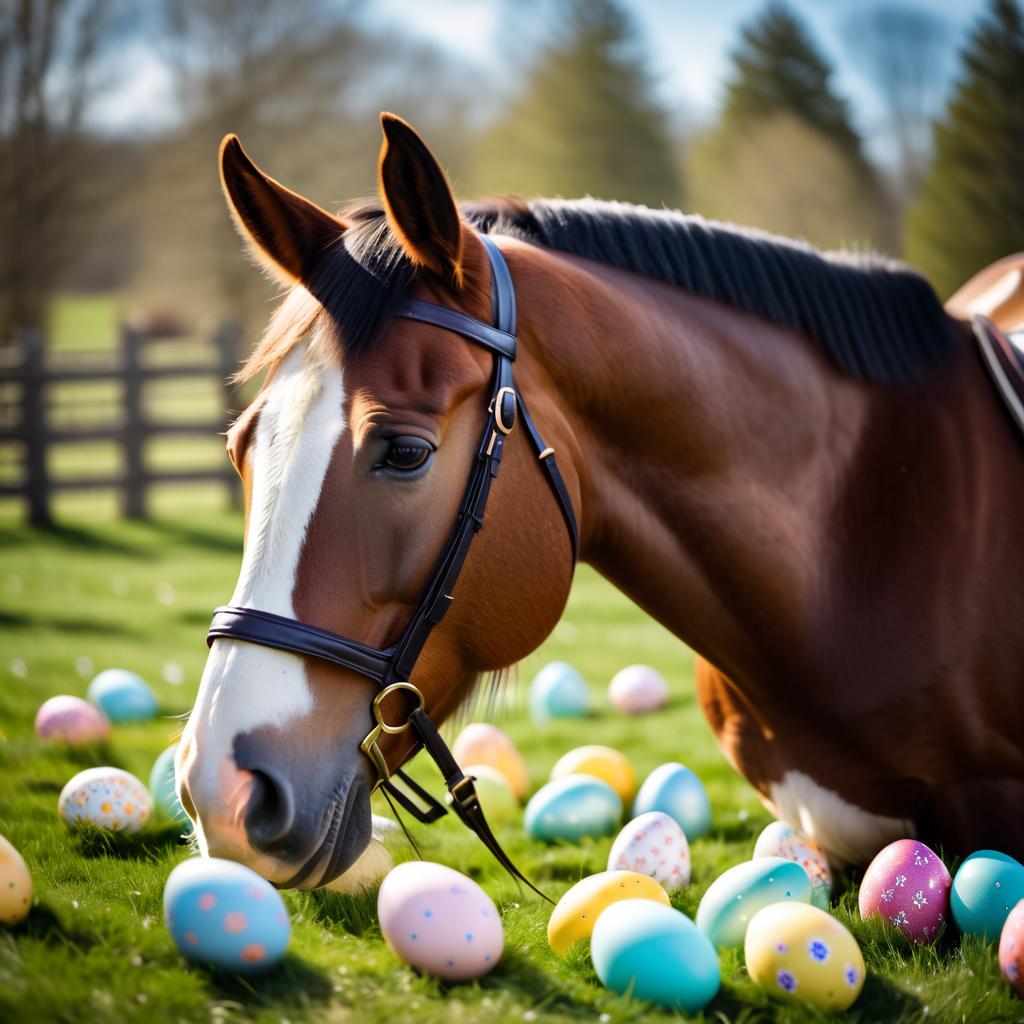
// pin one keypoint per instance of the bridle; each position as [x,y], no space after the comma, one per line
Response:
[392,667]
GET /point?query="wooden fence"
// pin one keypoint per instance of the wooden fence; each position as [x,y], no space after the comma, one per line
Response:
[25,419]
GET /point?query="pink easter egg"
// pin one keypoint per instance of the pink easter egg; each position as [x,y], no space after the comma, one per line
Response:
[1011,949]
[71,720]
[908,885]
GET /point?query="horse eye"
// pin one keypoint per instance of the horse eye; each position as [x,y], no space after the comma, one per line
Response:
[407,453]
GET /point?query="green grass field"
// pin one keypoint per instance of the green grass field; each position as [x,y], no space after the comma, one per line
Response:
[100,593]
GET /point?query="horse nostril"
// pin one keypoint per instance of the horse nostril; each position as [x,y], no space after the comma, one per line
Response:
[270,812]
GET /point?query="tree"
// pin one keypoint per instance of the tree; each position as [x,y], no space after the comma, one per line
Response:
[971,209]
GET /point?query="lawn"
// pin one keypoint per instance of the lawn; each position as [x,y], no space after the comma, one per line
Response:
[101,593]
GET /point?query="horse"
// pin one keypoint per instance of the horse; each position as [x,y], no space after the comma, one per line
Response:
[792,460]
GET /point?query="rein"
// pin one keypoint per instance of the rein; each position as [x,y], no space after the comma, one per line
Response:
[391,667]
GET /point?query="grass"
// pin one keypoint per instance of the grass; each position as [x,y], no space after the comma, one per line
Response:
[104,593]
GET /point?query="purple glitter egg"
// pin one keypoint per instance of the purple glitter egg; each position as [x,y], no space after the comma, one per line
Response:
[908,885]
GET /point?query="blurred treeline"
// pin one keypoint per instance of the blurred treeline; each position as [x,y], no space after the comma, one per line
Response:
[573,110]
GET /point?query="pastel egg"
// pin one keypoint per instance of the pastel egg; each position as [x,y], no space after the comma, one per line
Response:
[678,792]
[579,908]
[71,720]
[604,763]
[481,743]
[908,885]
[369,869]
[800,954]
[15,886]
[638,690]
[162,786]
[654,953]
[573,807]
[653,845]
[780,839]
[1011,949]
[222,913]
[439,921]
[733,898]
[985,889]
[107,798]
[122,696]
[499,803]
[558,691]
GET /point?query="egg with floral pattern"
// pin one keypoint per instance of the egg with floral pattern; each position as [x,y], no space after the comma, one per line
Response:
[1011,949]
[908,885]
[106,798]
[780,839]
[654,845]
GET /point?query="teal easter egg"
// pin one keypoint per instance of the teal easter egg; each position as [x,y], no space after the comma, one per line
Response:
[655,953]
[985,889]
[736,896]
[572,807]
[122,696]
[161,786]
[224,914]
[676,791]
[558,691]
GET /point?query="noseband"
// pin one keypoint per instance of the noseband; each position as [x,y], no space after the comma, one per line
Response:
[391,667]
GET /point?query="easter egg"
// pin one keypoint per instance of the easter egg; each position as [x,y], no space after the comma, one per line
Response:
[161,785]
[573,807]
[481,743]
[579,908]
[638,690]
[908,885]
[439,921]
[604,763]
[738,894]
[680,794]
[499,803]
[655,953]
[801,954]
[987,886]
[1011,949]
[369,869]
[122,695]
[222,913]
[15,886]
[106,798]
[780,839]
[653,845]
[71,720]
[558,691]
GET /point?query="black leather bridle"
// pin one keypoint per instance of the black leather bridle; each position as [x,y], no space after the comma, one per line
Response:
[392,667]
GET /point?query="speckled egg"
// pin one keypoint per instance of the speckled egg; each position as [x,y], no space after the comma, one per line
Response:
[638,690]
[222,913]
[908,885]
[558,691]
[1011,949]
[122,696]
[439,921]
[573,807]
[780,839]
[15,886]
[71,720]
[161,786]
[481,743]
[678,792]
[653,845]
[738,894]
[987,886]
[799,953]
[604,763]
[499,803]
[105,798]
[579,908]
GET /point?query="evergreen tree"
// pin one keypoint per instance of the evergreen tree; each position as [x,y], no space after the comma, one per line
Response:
[971,210]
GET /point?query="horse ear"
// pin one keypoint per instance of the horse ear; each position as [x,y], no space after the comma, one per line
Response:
[286,233]
[418,201]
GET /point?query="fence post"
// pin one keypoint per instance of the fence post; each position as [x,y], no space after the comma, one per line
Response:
[226,339]
[34,425]
[133,439]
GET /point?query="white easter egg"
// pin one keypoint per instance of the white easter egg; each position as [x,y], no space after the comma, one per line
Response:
[107,798]
[653,844]
[638,690]
[782,840]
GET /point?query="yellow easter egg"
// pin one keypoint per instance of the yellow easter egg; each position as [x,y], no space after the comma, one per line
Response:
[575,913]
[798,953]
[15,886]
[481,743]
[604,763]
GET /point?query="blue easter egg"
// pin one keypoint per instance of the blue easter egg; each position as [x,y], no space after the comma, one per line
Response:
[572,807]
[224,914]
[656,953]
[558,691]
[677,792]
[987,886]
[161,786]
[122,695]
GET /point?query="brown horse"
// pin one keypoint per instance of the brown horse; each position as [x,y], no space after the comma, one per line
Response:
[794,462]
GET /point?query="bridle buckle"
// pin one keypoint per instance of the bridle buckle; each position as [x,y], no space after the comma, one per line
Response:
[369,745]
[505,402]
[463,792]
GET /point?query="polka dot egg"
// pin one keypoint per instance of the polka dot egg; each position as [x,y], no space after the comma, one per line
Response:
[1011,949]
[106,798]
[439,921]
[224,914]
[15,886]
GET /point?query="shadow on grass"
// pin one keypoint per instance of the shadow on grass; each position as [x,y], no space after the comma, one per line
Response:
[159,839]
[66,624]
[292,980]
[355,912]
[74,538]
[44,926]
[196,536]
